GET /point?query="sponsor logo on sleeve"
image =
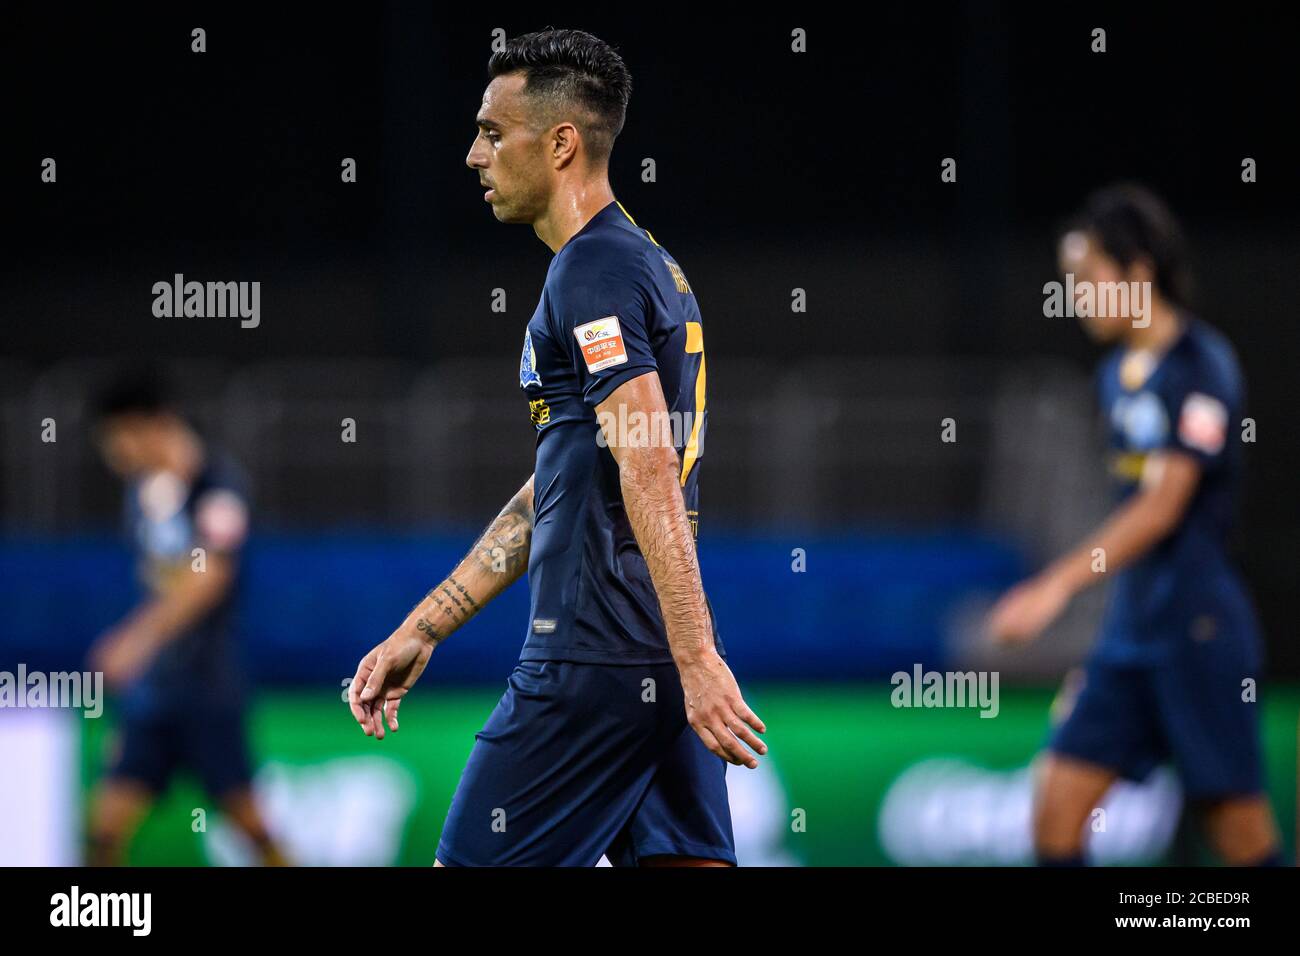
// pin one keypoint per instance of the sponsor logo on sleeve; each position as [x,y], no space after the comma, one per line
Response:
[1203,423]
[601,343]
[221,518]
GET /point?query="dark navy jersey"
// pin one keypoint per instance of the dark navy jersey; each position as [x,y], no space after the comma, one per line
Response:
[615,306]
[1189,401]
[167,520]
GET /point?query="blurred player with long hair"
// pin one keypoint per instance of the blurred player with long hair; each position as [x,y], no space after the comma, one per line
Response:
[1171,674]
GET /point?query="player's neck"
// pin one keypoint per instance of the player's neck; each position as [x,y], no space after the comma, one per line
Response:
[572,207]
[1158,334]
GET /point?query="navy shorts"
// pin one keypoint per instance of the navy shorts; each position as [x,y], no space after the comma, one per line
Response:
[208,741]
[1189,709]
[579,760]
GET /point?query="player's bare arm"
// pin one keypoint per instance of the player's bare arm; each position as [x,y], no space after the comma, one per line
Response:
[652,495]
[498,558]
[1169,482]
[127,649]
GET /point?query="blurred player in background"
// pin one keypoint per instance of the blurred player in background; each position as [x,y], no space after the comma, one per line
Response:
[617,724]
[171,659]
[1179,640]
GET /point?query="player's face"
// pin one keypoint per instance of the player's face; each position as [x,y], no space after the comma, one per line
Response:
[509,153]
[131,444]
[1080,253]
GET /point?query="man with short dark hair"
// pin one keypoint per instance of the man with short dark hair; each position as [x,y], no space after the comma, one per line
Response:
[615,731]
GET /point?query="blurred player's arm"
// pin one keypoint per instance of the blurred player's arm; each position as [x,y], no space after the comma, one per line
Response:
[1169,481]
[190,595]
[498,559]
[652,495]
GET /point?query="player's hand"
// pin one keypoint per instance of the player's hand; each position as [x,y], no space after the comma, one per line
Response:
[716,711]
[1026,610]
[122,655]
[383,677]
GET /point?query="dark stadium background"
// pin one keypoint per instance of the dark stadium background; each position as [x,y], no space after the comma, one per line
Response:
[774,171]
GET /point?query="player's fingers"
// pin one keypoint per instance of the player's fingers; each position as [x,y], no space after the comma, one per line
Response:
[711,742]
[354,700]
[357,684]
[367,718]
[375,682]
[748,716]
[734,750]
[391,711]
[737,727]
[358,712]
[363,717]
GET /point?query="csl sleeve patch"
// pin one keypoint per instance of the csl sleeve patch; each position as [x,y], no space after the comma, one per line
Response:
[1203,423]
[601,343]
[221,518]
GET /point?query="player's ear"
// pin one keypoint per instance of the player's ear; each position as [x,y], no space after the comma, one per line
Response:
[564,144]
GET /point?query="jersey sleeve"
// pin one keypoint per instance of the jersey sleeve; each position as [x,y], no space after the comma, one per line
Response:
[1198,408]
[603,312]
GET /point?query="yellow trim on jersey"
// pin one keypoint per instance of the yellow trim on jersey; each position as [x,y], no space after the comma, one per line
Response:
[694,343]
[694,337]
[1128,465]
[633,222]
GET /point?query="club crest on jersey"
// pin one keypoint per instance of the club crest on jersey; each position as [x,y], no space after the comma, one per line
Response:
[601,343]
[528,364]
[1142,420]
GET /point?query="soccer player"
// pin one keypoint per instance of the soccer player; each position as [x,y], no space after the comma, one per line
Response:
[1179,639]
[171,658]
[618,722]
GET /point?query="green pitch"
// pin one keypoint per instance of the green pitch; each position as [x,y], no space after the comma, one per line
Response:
[836,750]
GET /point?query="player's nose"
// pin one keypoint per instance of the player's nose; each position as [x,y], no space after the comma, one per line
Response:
[475,159]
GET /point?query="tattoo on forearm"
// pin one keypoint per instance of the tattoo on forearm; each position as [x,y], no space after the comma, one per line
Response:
[441,603]
[503,548]
[425,627]
[465,594]
[460,605]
